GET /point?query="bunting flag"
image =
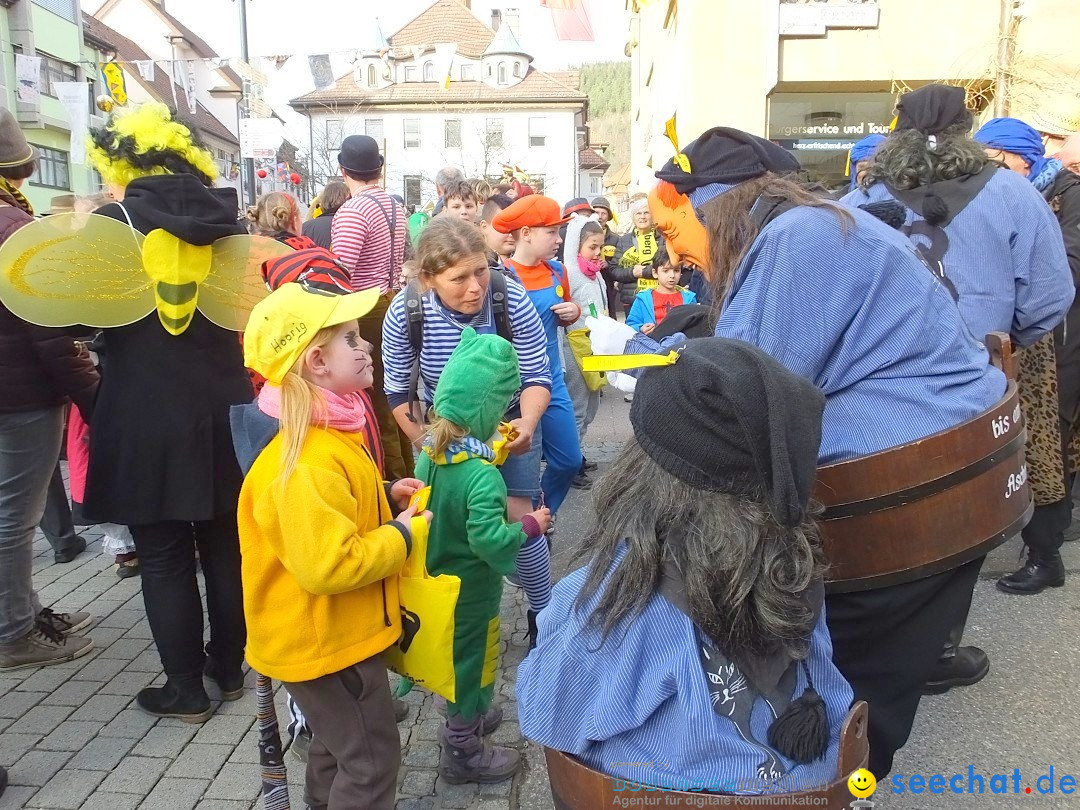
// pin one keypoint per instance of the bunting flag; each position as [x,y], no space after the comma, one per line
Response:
[73,97]
[322,73]
[444,64]
[28,75]
[113,75]
[146,69]
[571,19]
[189,88]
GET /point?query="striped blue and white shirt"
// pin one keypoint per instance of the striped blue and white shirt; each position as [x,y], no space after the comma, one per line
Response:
[442,333]
[1006,258]
[850,307]
[637,705]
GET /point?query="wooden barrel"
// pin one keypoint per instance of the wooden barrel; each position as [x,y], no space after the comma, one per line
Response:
[576,786]
[927,506]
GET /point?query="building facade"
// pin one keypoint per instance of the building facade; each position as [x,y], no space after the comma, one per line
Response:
[818,76]
[449,90]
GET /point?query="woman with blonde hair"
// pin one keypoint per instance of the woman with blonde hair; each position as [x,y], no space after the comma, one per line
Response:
[278,216]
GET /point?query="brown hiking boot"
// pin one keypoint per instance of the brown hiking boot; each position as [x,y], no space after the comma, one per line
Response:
[42,646]
[468,757]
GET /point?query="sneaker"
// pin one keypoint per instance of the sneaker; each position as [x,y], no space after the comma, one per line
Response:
[231,684]
[188,702]
[43,646]
[66,555]
[301,745]
[65,623]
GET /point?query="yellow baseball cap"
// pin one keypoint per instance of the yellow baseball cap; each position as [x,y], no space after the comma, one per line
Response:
[283,324]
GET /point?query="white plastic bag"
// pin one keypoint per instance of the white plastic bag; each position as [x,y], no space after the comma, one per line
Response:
[609,336]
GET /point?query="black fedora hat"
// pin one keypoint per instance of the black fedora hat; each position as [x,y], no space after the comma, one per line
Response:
[360,154]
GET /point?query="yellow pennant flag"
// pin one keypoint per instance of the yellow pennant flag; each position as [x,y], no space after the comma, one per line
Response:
[681,160]
[113,75]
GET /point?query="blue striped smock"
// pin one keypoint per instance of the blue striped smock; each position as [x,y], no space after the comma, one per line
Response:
[850,307]
[442,333]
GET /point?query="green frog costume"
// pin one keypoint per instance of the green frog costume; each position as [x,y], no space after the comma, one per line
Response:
[470,537]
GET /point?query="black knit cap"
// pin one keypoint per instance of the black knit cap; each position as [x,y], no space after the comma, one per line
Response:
[726,155]
[729,418]
[932,109]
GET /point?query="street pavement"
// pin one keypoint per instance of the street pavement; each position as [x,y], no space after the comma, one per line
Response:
[71,737]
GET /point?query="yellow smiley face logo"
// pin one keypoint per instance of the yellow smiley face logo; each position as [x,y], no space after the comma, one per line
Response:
[862,783]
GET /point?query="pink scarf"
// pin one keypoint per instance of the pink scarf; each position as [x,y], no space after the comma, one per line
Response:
[342,412]
[590,267]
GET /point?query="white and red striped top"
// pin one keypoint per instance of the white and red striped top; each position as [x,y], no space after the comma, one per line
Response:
[360,236]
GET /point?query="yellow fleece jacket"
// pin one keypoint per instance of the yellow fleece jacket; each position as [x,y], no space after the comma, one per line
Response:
[320,559]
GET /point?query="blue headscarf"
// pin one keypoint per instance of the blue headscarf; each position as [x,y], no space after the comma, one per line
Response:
[861,151]
[1013,135]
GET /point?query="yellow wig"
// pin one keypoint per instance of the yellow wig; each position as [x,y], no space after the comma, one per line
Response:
[146,140]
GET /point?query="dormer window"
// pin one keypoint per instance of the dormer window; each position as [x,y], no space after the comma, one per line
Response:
[372,78]
[517,70]
[502,73]
[410,73]
[429,72]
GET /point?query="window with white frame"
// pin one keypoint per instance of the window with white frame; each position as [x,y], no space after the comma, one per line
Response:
[373,127]
[466,73]
[334,133]
[410,73]
[429,72]
[517,70]
[52,169]
[412,133]
[502,73]
[453,133]
[495,132]
[372,76]
[537,131]
[413,186]
[597,186]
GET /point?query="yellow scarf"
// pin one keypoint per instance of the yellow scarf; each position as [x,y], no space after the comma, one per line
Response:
[646,246]
[20,200]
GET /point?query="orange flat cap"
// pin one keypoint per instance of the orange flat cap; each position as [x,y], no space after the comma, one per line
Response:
[536,211]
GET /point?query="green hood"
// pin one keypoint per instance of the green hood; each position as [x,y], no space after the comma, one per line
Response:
[478,382]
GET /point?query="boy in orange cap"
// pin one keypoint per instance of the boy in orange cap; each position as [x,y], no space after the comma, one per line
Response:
[534,220]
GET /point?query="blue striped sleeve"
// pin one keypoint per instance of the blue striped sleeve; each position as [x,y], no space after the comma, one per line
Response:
[398,353]
[530,341]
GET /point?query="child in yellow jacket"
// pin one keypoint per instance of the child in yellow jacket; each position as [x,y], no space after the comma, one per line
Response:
[321,546]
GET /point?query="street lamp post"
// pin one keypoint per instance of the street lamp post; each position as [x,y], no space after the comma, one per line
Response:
[245,103]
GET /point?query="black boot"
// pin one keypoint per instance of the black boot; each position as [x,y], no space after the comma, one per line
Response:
[589,466]
[960,666]
[1043,569]
[531,617]
[229,681]
[181,696]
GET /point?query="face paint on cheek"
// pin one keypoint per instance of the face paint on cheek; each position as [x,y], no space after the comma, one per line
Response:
[353,339]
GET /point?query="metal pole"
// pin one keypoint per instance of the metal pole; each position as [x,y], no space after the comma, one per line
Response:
[245,104]
[1001,81]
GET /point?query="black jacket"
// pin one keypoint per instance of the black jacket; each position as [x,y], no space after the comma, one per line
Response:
[39,368]
[160,446]
[625,275]
[318,229]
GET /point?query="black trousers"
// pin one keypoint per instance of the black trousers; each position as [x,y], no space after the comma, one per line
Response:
[171,592]
[886,642]
[56,522]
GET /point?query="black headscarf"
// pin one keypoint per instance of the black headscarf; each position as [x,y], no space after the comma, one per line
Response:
[932,109]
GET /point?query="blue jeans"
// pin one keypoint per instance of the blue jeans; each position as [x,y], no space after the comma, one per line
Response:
[562,450]
[29,450]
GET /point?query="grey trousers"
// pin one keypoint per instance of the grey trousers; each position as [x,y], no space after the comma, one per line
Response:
[355,747]
[29,450]
[586,403]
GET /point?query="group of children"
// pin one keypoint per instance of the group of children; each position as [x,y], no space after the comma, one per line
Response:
[324,539]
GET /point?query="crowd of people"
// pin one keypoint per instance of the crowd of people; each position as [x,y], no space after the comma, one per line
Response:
[415,386]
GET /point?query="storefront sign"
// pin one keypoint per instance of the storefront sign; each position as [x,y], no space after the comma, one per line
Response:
[840,130]
[813,19]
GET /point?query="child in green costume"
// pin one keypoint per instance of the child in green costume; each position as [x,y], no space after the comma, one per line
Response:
[471,539]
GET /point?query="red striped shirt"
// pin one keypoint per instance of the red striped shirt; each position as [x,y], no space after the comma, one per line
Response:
[360,236]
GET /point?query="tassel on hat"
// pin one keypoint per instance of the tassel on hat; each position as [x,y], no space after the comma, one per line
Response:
[801,732]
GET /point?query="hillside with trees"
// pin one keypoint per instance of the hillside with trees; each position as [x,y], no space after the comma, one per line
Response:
[607,84]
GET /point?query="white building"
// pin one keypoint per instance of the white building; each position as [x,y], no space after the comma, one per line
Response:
[496,110]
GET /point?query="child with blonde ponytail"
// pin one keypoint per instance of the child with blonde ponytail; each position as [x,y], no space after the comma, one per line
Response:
[320,540]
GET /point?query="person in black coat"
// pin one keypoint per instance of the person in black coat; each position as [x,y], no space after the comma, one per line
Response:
[331,198]
[161,456]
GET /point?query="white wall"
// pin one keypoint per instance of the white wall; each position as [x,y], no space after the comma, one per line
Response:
[555,160]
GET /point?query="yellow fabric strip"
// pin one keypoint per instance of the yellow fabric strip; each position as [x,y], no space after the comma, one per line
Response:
[625,362]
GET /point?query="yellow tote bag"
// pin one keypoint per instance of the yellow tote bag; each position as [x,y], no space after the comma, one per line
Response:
[425,652]
[581,347]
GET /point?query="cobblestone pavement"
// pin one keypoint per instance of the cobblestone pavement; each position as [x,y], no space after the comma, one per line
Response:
[71,736]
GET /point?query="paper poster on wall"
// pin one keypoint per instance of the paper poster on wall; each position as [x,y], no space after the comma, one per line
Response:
[28,76]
